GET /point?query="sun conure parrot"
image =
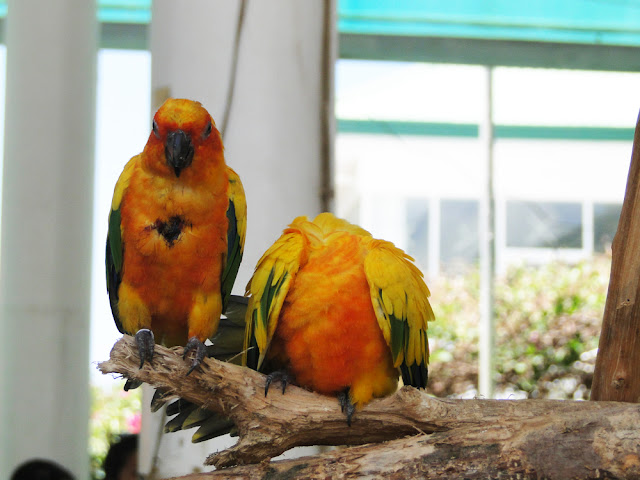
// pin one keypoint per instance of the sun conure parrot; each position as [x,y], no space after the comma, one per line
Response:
[339,312]
[334,310]
[176,234]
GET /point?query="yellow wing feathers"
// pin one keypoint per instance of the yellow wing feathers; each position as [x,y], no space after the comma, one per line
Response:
[400,300]
[267,289]
[237,196]
[398,292]
[123,182]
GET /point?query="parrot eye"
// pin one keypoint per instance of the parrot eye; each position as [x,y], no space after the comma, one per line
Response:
[207,130]
[154,125]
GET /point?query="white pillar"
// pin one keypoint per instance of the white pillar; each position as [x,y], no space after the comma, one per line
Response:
[486,367]
[277,125]
[46,233]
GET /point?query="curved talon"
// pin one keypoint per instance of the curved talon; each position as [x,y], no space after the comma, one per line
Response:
[201,351]
[146,343]
[281,375]
[346,404]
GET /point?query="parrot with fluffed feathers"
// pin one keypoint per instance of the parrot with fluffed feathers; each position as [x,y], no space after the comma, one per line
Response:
[176,234]
[334,310]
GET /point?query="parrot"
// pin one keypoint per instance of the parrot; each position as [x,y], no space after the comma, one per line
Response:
[176,234]
[331,309]
[338,312]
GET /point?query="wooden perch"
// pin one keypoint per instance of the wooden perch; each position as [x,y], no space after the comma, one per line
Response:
[438,438]
[617,373]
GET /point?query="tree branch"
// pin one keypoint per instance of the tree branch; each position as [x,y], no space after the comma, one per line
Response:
[554,439]
[617,373]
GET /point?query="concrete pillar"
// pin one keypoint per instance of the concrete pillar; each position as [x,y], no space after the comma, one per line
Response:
[46,232]
[276,136]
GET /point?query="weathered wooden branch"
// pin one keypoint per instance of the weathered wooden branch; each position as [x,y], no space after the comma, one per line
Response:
[440,438]
[617,373]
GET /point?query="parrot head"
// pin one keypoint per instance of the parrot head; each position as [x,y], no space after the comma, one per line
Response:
[183,134]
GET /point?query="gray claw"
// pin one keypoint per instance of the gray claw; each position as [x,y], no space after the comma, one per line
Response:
[146,343]
[201,352]
[346,406]
[282,375]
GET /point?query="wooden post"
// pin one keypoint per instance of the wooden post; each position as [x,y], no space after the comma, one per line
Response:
[617,373]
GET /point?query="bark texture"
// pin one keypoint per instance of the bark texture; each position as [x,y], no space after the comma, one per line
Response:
[617,373]
[410,434]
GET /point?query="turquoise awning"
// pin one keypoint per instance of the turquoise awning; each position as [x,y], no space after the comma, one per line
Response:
[579,34]
[113,11]
[597,22]
[124,11]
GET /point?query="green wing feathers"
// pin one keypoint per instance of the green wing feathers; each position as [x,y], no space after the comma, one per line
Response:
[237,228]
[268,288]
[400,300]
[115,246]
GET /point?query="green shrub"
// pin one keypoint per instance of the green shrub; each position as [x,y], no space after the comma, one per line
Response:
[547,326]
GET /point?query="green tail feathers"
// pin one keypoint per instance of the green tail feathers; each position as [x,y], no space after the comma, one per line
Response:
[227,346]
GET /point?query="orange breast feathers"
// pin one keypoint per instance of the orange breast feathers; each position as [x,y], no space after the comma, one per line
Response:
[328,330]
[168,270]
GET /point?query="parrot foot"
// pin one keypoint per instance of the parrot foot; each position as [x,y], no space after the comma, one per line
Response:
[346,405]
[201,352]
[281,375]
[146,342]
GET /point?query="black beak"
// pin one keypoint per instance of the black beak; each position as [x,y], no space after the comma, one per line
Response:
[178,150]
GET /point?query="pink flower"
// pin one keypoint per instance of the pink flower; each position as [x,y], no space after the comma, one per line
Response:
[133,423]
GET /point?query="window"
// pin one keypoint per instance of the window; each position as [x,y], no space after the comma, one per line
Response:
[458,233]
[605,224]
[418,230]
[544,224]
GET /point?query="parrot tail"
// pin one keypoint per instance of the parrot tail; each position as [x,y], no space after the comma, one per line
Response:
[226,346]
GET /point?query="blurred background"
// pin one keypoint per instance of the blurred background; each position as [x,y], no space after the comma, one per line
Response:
[490,140]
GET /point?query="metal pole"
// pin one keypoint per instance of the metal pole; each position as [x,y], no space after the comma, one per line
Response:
[487,252]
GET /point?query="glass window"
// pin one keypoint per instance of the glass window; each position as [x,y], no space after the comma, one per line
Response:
[458,233]
[605,224]
[544,224]
[418,230]
[123,120]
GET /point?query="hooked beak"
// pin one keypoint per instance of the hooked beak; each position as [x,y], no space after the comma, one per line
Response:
[178,151]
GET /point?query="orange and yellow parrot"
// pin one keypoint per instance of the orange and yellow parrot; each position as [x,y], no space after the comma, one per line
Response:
[339,312]
[176,234]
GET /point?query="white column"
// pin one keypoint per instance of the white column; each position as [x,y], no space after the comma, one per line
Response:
[276,126]
[486,348]
[46,232]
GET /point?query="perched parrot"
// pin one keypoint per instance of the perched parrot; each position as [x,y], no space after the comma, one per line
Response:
[176,234]
[331,309]
[334,310]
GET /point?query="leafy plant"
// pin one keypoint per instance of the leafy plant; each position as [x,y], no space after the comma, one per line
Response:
[547,326]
